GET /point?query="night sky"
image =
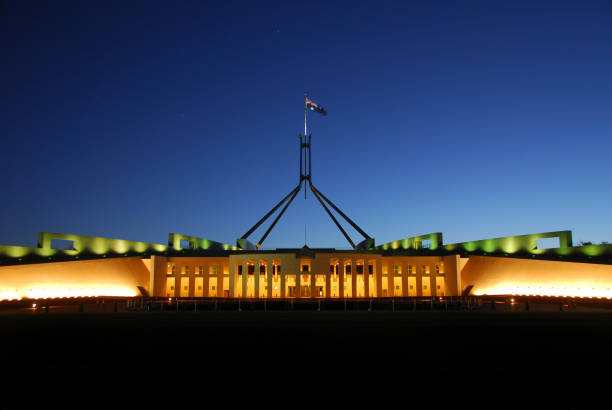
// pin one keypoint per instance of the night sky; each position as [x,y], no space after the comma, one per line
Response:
[479,119]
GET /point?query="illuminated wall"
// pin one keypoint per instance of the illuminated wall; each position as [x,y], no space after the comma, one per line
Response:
[101,277]
[414,242]
[505,276]
[515,244]
[88,247]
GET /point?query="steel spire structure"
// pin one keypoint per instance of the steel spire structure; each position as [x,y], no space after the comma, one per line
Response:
[306,179]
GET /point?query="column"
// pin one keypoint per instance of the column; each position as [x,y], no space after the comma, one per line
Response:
[366,278]
[313,283]
[269,272]
[340,278]
[206,280]
[245,276]
[283,284]
[298,282]
[328,284]
[192,283]
[232,275]
[353,278]
[404,268]
[256,276]
[378,273]
[390,279]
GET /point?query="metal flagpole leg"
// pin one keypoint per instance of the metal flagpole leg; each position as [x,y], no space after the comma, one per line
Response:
[262,220]
[353,224]
[348,238]
[263,238]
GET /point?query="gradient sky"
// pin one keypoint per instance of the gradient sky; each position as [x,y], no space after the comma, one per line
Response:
[478,119]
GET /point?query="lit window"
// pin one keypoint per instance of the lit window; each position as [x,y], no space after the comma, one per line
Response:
[201,270]
[186,270]
[213,269]
[396,269]
[426,269]
[410,272]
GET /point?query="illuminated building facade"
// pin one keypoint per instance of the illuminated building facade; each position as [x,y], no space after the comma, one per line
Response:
[194,267]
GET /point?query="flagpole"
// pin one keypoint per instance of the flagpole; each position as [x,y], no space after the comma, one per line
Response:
[305,95]
[305,140]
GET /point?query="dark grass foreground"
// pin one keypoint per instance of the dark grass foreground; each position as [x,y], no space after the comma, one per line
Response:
[171,338]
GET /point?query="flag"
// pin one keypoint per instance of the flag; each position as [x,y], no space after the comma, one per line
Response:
[315,107]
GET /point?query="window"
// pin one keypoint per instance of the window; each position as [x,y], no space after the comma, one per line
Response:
[171,269]
[262,269]
[304,268]
[250,269]
[331,268]
[62,244]
[201,270]
[348,269]
[437,269]
[239,269]
[410,271]
[548,243]
[371,269]
[426,269]
[186,270]
[396,269]
[360,269]
[213,270]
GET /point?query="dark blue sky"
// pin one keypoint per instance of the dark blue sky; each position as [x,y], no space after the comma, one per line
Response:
[135,119]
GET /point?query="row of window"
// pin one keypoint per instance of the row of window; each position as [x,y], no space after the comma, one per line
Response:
[425,269]
[187,270]
[276,269]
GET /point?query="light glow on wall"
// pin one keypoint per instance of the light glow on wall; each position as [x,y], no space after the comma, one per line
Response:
[53,291]
[554,289]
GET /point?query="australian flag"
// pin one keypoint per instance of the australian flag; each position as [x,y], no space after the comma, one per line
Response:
[313,106]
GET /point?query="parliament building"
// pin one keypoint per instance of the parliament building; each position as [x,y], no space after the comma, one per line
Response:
[193,267]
